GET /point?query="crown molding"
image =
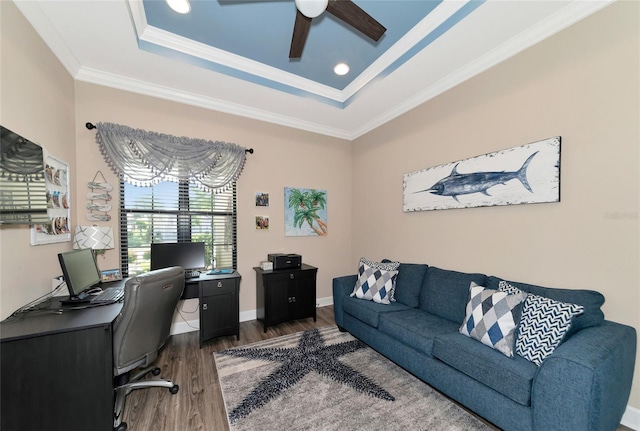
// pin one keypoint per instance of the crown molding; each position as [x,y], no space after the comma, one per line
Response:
[48,33]
[385,63]
[562,19]
[565,17]
[94,76]
[222,61]
[154,39]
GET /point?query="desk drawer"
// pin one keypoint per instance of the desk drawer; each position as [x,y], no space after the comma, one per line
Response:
[218,287]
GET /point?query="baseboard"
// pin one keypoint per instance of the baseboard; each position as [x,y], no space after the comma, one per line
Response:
[245,316]
[631,418]
[194,325]
[323,302]
[184,327]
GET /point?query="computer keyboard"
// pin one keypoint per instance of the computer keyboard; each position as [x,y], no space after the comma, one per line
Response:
[110,294]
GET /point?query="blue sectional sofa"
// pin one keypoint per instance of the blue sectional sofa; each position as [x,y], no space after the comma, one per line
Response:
[583,386]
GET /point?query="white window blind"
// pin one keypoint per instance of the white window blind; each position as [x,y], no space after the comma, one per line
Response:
[23,201]
[176,212]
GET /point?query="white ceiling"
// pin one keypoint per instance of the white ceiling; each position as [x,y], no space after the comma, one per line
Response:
[111,43]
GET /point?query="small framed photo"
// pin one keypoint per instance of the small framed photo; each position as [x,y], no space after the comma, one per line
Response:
[110,275]
[262,223]
[262,199]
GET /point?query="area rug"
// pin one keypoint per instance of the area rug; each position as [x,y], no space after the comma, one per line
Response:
[322,379]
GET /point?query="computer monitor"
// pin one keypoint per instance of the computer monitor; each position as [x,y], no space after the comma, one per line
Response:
[189,255]
[80,271]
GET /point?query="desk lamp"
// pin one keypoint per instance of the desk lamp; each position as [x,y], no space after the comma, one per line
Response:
[97,238]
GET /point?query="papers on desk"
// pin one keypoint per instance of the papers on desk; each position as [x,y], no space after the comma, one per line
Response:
[220,271]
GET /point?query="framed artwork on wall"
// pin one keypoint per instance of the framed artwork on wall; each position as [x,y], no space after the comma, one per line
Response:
[305,212]
[262,223]
[58,228]
[262,199]
[110,275]
[519,175]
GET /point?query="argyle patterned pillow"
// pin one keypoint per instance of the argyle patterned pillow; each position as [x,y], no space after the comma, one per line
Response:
[388,265]
[491,317]
[374,283]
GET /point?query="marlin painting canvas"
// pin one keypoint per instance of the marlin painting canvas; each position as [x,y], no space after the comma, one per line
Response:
[520,175]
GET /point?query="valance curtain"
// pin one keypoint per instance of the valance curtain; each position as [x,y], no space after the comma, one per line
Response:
[147,158]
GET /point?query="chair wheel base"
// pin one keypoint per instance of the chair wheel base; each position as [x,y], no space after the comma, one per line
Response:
[174,389]
[155,371]
[121,427]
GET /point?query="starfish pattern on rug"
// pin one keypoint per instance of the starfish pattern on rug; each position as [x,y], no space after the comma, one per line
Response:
[311,354]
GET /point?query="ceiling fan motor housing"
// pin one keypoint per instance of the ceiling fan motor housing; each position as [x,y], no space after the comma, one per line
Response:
[311,8]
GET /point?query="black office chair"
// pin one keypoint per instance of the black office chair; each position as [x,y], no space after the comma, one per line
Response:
[140,330]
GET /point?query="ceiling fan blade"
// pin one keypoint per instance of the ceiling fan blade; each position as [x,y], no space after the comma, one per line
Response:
[300,32]
[349,12]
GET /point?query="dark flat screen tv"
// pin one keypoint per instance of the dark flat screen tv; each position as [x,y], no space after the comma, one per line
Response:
[23,191]
[189,255]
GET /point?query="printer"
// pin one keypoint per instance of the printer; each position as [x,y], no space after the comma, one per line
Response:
[285,261]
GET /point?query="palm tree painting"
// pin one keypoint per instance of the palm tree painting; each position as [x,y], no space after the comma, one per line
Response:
[305,212]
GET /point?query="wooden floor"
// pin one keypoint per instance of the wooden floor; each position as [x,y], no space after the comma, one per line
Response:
[198,405]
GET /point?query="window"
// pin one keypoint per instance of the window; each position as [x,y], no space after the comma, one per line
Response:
[176,212]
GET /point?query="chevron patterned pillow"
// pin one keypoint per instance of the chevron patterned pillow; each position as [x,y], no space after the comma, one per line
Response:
[543,325]
[503,286]
[374,283]
[491,317]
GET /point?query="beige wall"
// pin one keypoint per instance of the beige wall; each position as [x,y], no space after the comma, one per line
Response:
[36,101]
[581,84]
[282,157]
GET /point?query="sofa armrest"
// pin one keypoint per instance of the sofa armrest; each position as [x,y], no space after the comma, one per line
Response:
[342,288]
[585,383]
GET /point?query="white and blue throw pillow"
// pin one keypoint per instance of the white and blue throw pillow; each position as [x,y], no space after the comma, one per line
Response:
[388,265]
[543,324]
[374,282]
[491,317]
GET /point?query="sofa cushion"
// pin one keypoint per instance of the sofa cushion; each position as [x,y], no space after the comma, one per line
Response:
[409,282]
[445,293]
[415,328]
[512,377]
[589,299]
[543,325]
[492,316]
[375,281]
[368,311]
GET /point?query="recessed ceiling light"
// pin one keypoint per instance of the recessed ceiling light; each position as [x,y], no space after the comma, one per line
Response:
[180,6]
[341,69]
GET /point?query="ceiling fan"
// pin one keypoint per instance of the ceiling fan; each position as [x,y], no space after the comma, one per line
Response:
[345,10]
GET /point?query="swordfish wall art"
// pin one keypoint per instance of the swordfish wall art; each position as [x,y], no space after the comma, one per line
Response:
[519,175]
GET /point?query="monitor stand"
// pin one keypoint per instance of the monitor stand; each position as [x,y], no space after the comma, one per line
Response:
[83,298]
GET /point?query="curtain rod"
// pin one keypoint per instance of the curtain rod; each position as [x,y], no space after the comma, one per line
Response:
[92,126]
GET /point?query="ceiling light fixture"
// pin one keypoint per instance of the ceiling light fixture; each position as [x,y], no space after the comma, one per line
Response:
[341,69]
[180,6]
[311,8]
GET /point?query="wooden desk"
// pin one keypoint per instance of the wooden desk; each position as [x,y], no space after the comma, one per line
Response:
[57,370]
